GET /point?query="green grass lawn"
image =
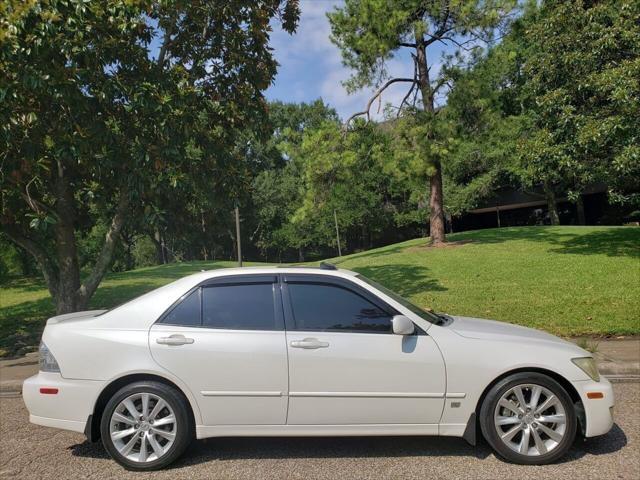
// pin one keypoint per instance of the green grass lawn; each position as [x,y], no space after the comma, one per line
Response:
[566,280]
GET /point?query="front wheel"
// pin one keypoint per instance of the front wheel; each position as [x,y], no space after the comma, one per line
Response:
[146,426]
[528,418]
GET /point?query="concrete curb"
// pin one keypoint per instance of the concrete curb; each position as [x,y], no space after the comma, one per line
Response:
[11,386]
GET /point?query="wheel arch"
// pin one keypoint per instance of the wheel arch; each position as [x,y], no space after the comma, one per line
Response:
[92,429]
[566,384]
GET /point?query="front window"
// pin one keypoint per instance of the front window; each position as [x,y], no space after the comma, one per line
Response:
[325,308]
[422,313]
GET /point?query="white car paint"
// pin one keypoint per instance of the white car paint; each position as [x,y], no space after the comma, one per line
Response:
[242,382]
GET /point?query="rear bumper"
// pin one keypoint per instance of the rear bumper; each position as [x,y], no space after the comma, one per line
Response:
[68,409]
[598,411]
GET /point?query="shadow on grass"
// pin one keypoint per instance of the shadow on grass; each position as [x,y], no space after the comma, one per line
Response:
[21,324]
[25,284]
[407,280]
[381,252]
[613,241]
[238,449]
[622,242]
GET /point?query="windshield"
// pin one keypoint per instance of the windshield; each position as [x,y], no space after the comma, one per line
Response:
[422,313]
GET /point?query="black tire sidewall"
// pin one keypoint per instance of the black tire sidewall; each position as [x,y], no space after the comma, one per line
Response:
[184,427]
[491,435]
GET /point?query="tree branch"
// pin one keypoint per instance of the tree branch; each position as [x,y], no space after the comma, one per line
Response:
[442,81]
[166,41]
[90,285]
[38,252]
[413,85]
[461,45]
[376,95]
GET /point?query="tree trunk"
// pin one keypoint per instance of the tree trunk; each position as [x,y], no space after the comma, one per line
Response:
[66,249]
[552,206]
[582,220]
[68,269]
[155,238]
[61,271]
[436,197]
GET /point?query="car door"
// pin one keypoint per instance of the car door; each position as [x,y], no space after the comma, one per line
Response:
[225,339]
[346,367]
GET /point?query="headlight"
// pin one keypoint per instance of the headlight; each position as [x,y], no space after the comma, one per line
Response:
[588,366]
[47,361]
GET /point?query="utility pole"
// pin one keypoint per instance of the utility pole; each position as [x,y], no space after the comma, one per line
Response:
[335,219]
[238,235]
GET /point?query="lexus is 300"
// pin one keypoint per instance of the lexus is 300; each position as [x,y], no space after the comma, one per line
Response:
[307,352]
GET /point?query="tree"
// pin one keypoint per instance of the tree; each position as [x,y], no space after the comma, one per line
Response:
[371,32]
[277,191]
[96,119]
[487,120]
[583,95]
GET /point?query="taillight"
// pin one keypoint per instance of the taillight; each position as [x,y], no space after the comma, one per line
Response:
[47,361]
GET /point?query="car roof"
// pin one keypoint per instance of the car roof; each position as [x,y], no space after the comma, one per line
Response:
[276,269]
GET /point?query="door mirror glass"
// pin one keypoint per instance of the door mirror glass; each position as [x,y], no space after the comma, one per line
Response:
[402,325]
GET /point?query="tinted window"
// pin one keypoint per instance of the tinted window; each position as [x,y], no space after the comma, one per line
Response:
[239,307]
[187,312]
[422,313]
[328,307]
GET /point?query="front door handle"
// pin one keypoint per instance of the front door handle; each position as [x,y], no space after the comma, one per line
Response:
[309,343]
[174,340]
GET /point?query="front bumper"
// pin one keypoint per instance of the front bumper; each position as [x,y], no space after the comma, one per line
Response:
[68,409]
[598,411]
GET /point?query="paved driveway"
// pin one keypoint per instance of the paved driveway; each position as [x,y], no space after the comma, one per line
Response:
[28,451]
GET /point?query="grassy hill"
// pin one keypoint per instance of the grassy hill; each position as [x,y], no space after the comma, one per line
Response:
[566,280]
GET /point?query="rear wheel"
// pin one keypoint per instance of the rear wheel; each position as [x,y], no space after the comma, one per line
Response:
[528,418]
[146,426]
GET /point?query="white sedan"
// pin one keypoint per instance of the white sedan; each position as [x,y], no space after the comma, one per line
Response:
[307,352]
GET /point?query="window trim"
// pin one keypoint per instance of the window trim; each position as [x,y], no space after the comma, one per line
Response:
[336,282]
[227,281]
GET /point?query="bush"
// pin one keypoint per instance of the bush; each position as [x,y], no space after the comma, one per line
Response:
[144,252]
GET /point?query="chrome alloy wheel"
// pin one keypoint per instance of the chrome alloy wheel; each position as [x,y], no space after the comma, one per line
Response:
[530,419]
[143,427]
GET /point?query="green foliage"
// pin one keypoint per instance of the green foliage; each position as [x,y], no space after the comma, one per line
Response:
[556,103]
[96,125]
[278,192]
[487,121]
[342,174]
[370,32]
[144,252]
[583,91]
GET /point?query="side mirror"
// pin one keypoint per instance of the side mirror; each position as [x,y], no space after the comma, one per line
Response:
[402,325]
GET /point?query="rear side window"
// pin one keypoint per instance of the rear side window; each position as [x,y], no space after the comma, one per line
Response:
[331,308]
[239,307]
[185,313]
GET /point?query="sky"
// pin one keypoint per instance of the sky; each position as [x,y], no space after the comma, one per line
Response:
[311,66]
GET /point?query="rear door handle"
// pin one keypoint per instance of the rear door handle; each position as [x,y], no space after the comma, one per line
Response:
[309,343]
[174,340]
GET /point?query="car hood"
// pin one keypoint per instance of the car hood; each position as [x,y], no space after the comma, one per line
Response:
[492,330]
[68,317]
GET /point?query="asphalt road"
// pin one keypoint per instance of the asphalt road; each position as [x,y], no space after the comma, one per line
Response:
[29,451]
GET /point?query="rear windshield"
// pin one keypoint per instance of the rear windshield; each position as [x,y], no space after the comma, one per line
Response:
[422,313]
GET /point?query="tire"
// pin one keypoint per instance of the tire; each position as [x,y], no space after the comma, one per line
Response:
[166,428]
[536,434]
